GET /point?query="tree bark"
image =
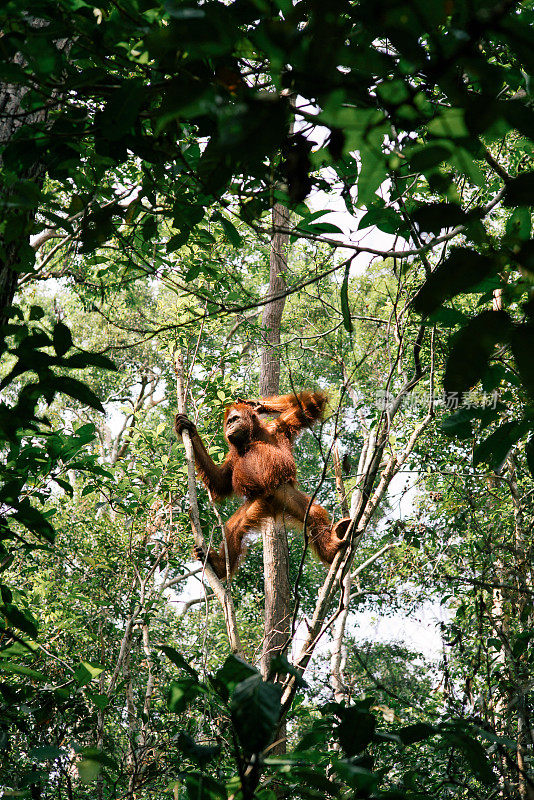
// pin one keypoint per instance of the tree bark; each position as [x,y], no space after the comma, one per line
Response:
[272,315]
[275,547]
[15,247]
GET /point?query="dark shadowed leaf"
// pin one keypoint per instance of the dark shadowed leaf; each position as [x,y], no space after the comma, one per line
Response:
[202,787]
[355,730]
[436,216]
[255,708]
[121,110]
[461,271]
[494,450]
[472,348]
[459,424]
[529,452]
[19,619]
[280,666]
[199,753]
[415,733]
[178,660]
[233,671]
[84,360]
[34,520]
[428,157]
[345,308]
[520,190]
[181,693]
[473,752]
[62,339]
[522,340]
[78,390]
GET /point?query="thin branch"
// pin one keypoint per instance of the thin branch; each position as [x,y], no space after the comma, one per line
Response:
[223,595]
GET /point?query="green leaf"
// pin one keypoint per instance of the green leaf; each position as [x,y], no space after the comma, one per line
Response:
[93,760]
[344,297]
[181,693]
[233,671]
[85,672]
[178,660]
[449,124]
[472,348]
[308,777]
[518,225]
[19,669]
[494,450]
[359,778]
[46,753]
[20,619]
[462,270]
[255,708]
[231,232]
[88,770]
[317,228]
[203,787]
[101,701]
[386,219]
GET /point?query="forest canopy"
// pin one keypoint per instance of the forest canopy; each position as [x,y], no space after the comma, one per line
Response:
[207,201]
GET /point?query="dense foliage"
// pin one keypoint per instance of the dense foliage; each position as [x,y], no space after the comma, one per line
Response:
[142,147]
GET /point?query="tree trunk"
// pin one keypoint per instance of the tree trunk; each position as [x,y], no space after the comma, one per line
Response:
[15,251]
[275,547]
[272,315]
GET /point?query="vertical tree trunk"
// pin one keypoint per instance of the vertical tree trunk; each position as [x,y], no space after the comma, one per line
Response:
[272,315]
[275,547]
[15,250]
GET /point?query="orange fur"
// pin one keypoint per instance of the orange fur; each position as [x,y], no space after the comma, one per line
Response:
[260,467]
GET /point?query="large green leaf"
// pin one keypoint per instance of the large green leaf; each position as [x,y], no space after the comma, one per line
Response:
[233,671]
[178,660]
[181,693]
[22,620]
[255,708]
[202,787]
